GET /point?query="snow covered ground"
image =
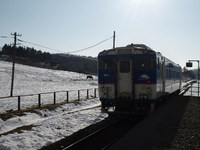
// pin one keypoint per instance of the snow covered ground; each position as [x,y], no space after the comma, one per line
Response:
[46,126]
[49,126]
[31,80]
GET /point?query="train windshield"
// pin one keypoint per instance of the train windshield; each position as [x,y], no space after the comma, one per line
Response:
[106,64]
[145,63]
[124,66]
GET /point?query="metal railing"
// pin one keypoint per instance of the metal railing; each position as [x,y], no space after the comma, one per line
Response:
[77,95]
[194,90]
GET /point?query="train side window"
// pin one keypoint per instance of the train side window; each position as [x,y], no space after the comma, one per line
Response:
[124,66]
[106,64]
[167,73]
[158,65]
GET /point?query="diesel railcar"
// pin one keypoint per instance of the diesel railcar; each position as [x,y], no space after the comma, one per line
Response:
[135,78]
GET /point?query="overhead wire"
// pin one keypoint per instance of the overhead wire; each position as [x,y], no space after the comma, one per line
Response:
[90,46]
[20,40]
[5,36]
[92,58]
[39,45]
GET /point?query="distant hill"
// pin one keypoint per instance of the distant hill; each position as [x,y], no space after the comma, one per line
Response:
[68,62]
[81,64]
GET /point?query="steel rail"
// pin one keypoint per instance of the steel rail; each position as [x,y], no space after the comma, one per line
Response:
[90,135]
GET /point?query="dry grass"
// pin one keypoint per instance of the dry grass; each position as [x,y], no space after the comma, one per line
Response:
[12,113]
[19,129]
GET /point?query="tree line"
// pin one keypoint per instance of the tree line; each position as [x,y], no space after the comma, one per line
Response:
[68,62]
[26,53]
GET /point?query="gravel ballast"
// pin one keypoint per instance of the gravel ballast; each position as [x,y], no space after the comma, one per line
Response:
[174,125]
[188,135]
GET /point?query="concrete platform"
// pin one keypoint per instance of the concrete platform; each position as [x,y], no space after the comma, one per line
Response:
[158,130]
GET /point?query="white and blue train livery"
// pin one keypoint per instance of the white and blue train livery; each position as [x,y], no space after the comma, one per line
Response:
[135,78]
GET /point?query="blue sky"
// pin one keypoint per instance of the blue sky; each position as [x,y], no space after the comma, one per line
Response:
[171,27]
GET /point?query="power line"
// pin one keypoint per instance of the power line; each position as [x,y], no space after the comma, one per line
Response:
[39,45]
[62,51]
[90,46]
[5,37]
[92,58]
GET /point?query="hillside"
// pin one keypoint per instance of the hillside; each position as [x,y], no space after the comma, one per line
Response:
[29,80]
[59,61]
[35,129]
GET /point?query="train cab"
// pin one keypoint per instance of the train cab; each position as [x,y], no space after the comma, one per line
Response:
[131,78]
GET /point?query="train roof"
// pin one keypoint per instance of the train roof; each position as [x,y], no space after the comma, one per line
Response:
[135,49]
[129,49]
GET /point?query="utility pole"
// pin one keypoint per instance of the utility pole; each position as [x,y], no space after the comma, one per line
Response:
[13,64]
[114,40]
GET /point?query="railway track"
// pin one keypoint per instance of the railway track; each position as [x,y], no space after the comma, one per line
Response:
[105,136]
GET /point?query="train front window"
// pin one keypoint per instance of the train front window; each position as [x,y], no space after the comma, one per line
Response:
[124,66]
[106,64]
[145,63]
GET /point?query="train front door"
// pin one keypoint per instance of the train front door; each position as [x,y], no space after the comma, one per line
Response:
[124,79]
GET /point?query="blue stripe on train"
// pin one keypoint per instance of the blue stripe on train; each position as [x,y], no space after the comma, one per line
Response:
[106,76]
[126,55]
[109,76]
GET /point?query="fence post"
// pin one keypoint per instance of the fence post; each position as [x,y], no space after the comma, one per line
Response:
[67,96]
[87,94]
[95,90]
[39,100]
[19,100]
[54,98]
[78,94]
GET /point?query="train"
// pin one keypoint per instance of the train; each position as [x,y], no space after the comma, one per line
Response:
[135,78]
